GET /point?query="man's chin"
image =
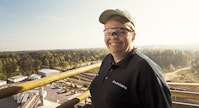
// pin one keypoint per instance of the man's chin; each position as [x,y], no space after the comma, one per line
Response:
[115,51]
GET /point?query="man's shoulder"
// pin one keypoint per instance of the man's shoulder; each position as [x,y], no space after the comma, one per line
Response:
[106,59]
[145,58]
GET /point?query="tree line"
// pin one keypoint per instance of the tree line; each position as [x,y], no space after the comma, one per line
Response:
[195,63]
[29,62]
[170,60]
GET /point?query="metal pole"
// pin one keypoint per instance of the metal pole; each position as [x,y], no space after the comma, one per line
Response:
[42,95]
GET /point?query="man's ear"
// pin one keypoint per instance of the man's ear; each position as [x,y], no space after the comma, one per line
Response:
[133,36]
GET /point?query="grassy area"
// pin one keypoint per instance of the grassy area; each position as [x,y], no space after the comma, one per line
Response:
[187,76]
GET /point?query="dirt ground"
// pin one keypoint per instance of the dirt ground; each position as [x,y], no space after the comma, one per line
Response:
[53,96]
[171,75]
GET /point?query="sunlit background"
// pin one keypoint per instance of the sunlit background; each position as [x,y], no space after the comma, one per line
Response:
[68,24]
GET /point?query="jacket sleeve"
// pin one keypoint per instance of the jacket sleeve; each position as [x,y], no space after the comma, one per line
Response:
[153,91]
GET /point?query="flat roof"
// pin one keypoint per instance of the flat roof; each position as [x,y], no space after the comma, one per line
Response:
[16,77]
[2,81]
[48,70]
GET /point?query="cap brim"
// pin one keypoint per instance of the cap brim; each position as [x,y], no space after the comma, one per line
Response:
[107,14]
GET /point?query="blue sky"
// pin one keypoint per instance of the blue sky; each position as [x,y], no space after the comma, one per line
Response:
[67,24]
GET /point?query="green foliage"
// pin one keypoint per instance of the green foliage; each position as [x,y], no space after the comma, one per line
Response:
[195,65]
[1,66]
[3,76]
[170,59]
[64,64]
[46,62]
[26,63]
[187,76]
[29,62]
[37,64]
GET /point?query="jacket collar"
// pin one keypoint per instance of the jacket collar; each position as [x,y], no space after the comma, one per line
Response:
[124,61]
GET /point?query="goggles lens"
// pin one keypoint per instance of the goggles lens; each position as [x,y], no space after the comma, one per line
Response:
[116,32]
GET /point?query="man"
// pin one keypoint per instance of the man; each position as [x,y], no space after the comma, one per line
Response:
[127,78]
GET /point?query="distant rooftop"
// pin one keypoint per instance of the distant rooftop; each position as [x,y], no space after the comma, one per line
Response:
[16,77]
[48,70]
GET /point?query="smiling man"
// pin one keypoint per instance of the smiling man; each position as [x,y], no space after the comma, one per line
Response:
[127,78]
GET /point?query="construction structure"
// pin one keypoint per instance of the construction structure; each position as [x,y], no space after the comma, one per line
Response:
[47,72]
[17,78]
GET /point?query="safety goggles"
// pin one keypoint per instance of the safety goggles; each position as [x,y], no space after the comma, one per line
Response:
[119,31]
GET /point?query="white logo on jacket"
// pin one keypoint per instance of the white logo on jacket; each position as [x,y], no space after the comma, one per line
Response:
[119,84]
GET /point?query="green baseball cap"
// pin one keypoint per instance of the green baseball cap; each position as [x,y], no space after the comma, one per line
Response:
[105,15]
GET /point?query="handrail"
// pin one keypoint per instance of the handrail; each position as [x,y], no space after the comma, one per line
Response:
[181,94]
[72,102]
[185,94]
[40,82]
[9,91]
[193,85]
[174,93]
[184,105]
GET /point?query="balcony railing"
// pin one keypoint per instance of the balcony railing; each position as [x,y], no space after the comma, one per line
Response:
[9,91]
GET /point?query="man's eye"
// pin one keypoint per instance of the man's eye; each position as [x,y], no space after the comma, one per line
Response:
[122,33]
[108,33]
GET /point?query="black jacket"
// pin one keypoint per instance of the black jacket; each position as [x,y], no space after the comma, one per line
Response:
[134,82]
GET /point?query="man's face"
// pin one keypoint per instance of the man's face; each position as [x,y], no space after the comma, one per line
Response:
[118,37]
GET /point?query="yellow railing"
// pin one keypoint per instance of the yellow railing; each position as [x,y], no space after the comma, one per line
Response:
[9,91]
[174,93]
[191,85]
[180,91]
[184,93]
